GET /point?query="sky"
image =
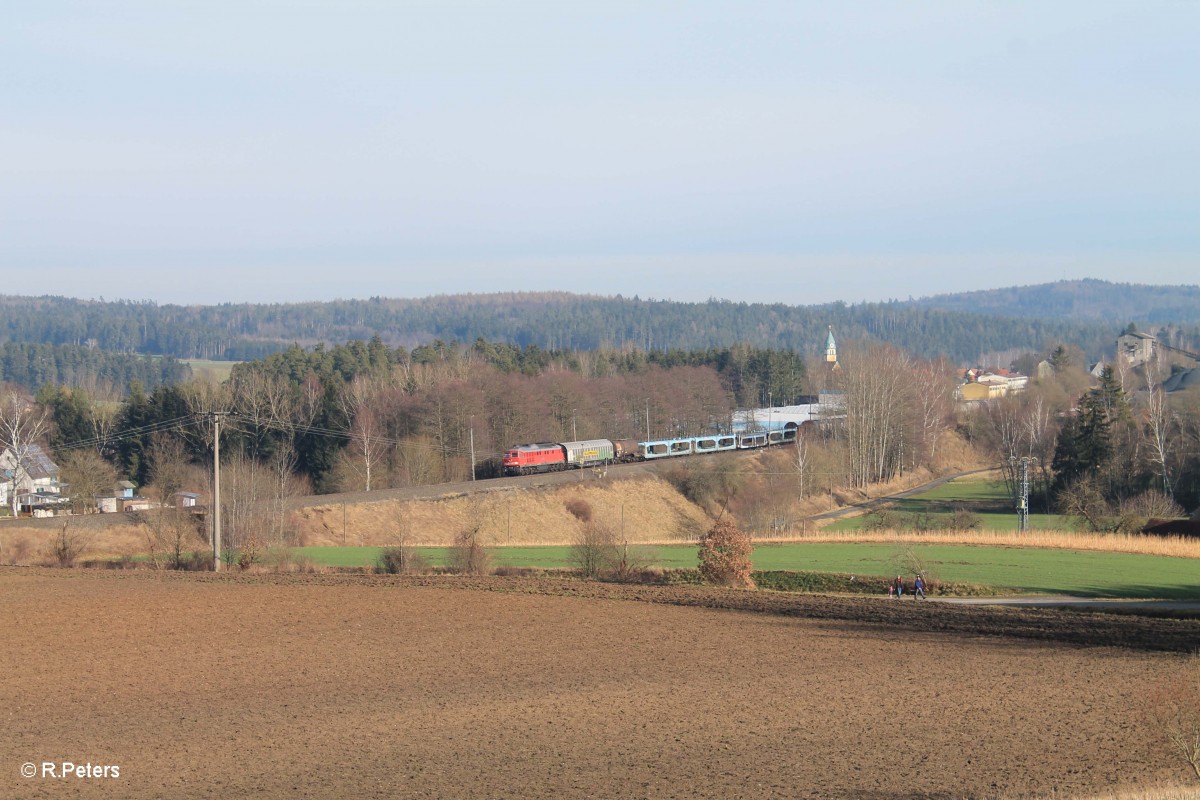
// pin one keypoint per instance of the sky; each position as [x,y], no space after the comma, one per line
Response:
[795,152]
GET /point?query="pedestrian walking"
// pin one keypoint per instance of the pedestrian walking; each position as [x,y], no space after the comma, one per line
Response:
[898,585]
[919,588]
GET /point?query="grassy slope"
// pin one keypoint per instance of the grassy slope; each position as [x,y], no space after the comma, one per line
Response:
[988,498]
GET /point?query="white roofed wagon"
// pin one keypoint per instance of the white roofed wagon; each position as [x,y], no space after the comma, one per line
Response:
[589,453]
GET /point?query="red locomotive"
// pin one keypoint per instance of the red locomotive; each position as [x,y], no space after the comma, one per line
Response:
[527,459]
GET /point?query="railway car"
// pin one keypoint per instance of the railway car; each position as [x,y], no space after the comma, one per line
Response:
[714,444]
[749,441]
[529,459]
[665,448]
[590,453]
[625,449]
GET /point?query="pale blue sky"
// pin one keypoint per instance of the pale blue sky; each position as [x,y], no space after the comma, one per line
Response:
[794,152]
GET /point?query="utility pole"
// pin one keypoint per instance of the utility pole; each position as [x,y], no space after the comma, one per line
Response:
[647,420]
[472,453]
[574,433]
[216,503]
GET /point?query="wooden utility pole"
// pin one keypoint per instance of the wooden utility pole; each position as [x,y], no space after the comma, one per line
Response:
[472,454]
[216,498]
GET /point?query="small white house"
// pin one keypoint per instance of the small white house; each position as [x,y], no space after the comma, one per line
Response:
[186,499]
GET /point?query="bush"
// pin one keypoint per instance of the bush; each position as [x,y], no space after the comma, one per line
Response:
[725,556]
[68,545]
[198,561]
[468,556]
[963,519]
[632,564]
[595,550]
[881,520]
[400,560]
[580,509]
[286,560]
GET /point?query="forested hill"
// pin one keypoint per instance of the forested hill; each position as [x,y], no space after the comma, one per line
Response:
[547,320]
[1082,300]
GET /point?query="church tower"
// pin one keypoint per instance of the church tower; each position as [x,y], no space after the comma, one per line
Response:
[831,350]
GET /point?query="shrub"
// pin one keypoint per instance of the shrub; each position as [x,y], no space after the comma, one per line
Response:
[68,545]
[285,559]
[594,550]
[964,519]
[400,560]
[580,509]
[631,564]
[517,572]
[725,556]
[468,556]
[880,520]
[197,561]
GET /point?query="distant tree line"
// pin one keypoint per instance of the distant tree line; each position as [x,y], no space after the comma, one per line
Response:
[1079,299]
[101,373]
[550,321]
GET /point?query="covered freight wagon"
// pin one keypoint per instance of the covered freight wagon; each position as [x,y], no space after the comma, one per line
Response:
[589,453]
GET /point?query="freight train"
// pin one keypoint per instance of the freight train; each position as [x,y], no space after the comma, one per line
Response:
[530,459]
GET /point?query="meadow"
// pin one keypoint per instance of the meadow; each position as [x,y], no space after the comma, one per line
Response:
[988,499]
[212,371]
[1082,573]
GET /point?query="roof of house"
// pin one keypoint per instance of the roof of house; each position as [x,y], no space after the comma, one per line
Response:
[37,464]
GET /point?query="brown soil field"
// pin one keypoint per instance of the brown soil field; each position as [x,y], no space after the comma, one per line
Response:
[333,686]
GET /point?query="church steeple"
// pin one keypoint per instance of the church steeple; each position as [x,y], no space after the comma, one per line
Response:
[831,350]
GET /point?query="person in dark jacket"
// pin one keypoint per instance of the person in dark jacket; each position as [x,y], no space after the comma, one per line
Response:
[919,588]
[899,586]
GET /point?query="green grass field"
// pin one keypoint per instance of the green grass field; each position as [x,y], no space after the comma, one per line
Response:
[214,371]
[1030,570]
[989,499]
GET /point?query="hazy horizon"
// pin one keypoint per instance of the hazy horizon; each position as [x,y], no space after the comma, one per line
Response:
[792,152]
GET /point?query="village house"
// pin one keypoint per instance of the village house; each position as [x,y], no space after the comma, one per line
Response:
[979,385]
[31,480]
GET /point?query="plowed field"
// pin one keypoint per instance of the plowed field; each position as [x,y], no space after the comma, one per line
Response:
[346,686]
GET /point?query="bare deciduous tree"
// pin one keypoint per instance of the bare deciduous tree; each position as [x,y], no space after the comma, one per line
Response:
[1160,427]
[876,381]
[88,477]
[368,440]
[22,425]
[171,531]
